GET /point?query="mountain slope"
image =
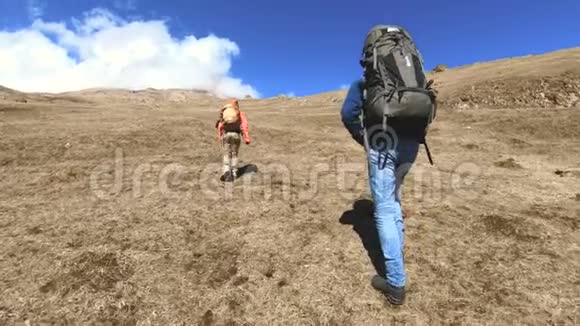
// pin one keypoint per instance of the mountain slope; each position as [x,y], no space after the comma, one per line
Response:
[112,211]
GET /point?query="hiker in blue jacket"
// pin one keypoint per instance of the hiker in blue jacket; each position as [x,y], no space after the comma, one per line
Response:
[390,154]
[384,186]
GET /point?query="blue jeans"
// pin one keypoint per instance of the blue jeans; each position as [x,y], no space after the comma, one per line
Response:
[387,169]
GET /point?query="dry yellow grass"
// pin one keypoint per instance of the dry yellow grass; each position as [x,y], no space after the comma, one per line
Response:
[153,238]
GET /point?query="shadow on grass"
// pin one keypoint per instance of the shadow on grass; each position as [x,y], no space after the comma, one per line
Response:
[362,221]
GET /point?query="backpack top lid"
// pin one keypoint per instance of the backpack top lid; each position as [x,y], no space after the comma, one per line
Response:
[230,113]
[232,102]
[379,30]
[375,33]
[231,105]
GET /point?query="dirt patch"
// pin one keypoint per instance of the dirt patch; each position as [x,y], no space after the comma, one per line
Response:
[554,214]
[219,261]
[509,163]
[94,271]
[511,227]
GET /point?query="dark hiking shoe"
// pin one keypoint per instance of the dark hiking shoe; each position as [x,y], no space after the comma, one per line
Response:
[227,177]
[394,294]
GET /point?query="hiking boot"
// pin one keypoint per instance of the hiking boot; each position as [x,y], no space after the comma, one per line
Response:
[227,177]
[394,294]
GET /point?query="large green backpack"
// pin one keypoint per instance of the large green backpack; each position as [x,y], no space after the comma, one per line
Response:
[396,90]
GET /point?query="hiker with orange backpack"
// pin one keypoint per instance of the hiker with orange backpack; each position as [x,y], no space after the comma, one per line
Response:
[232,126]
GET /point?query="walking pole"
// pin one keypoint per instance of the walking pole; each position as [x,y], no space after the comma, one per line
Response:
[428,152]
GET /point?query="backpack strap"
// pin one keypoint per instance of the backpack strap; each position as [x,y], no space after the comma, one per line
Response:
[415,89]
[388,94]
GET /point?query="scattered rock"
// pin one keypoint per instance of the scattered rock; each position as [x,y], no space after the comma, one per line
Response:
[516,142]
[269,272]
[462,106]
[565,173]
[561,173]
[207,319]
[283,282]
[509,163]
[577,197]
[440,68]
[562,91]
[241,280]
[471,146]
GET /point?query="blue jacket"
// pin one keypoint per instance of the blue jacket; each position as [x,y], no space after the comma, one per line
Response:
[351,111]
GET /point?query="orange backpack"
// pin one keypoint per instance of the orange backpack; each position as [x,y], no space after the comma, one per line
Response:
[230,114]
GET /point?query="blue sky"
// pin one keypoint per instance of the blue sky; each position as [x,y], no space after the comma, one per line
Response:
[312,46]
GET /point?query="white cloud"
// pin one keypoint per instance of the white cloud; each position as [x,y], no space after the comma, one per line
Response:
[126,5]
[344,86]
[291,94]
[35,9]
[104,50]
